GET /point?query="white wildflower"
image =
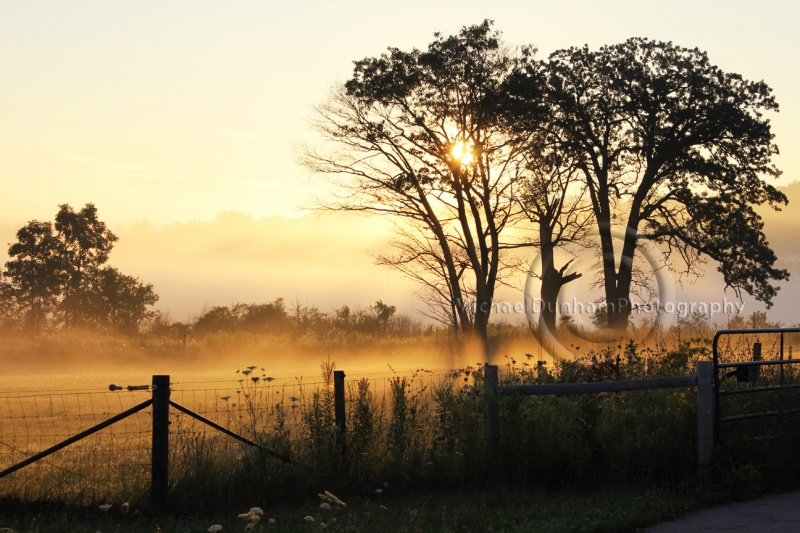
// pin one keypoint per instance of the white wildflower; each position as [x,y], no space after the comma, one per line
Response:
[378,491]
[216,528]
[105,507]
[257,511]
[325,505]
[328,497]
[309,518]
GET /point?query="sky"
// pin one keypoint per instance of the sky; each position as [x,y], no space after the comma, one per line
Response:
[171,115]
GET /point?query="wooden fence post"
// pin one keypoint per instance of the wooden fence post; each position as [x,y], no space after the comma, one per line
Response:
[339,412]
[160,458]
[705,417]
[492,410]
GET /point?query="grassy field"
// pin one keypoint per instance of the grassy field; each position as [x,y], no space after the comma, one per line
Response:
[416,457]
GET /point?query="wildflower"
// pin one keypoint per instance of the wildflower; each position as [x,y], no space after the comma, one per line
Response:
[323,525]
[328,497]
[246,371]
[294,398]
[255,379]
[268,378]
[325,505]
[225,398]
[309,518]
[125,507]
[105,507]
[257,511]
[414,513]
[250,526]
[244,516]
[378,491]
[216,528]
[271,520]
[252,367]
[283,414]
[384,508]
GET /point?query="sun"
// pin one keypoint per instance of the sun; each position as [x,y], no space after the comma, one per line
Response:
[461,152]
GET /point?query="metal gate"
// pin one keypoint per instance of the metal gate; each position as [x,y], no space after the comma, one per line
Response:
[757,396]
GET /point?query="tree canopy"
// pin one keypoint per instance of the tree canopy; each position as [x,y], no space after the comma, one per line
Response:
[420,136]
[673,149]
[57,274]
[468,138]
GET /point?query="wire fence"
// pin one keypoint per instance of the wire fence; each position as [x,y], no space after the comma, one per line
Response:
[115,462]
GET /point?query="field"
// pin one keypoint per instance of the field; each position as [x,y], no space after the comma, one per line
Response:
[416,456]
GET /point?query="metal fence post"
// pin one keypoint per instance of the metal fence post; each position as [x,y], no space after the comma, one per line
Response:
[339,412]
[492,410]
[705,416]
[160,458]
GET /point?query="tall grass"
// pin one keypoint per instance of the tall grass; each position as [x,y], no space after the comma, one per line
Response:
[422,432]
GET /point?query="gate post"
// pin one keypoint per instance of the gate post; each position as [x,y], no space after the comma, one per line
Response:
[705,416]
[160,453]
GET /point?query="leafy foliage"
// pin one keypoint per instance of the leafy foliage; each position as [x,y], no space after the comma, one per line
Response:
[420,135]
[674,149]
[56,274]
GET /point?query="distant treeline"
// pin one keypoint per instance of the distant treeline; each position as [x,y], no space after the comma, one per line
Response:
[276,318]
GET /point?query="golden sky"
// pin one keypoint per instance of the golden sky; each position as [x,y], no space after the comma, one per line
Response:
[176,111]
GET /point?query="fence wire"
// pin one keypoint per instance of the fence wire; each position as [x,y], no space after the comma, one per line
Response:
[114,463]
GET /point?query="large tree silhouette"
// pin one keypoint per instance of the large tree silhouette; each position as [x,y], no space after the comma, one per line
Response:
[420,136]
[673,149]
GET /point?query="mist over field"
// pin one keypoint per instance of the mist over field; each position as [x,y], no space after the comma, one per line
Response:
[328,260]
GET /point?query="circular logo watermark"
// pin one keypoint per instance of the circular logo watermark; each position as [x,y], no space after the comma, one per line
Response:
[580,307]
